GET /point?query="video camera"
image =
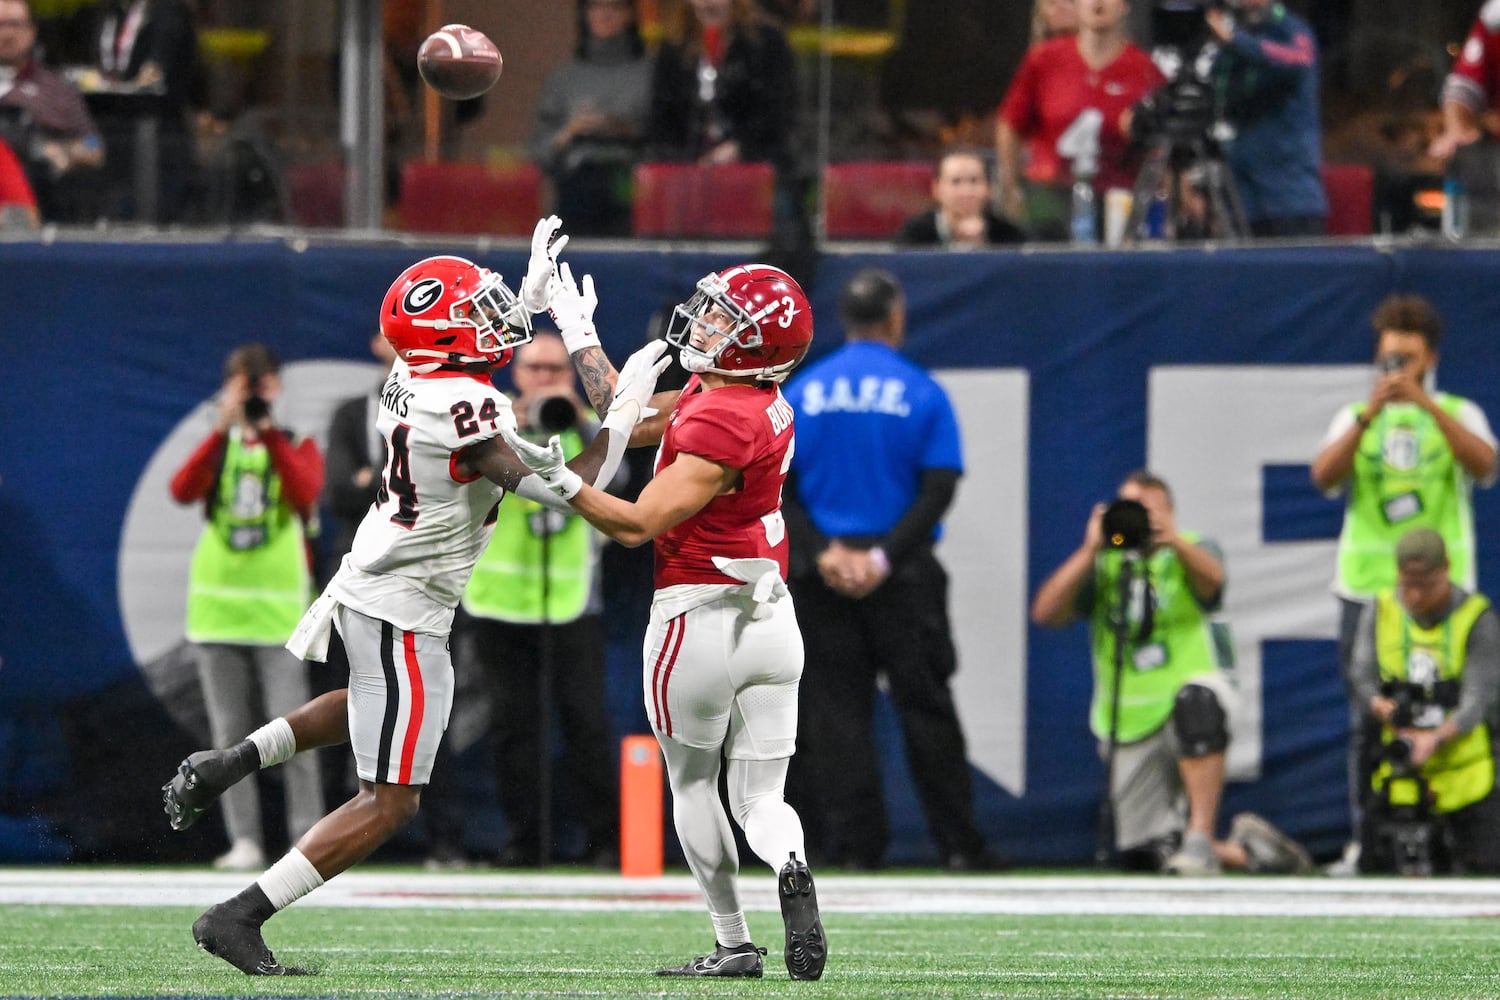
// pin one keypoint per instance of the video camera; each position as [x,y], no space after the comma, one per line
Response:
[1183,109]
[1401,833]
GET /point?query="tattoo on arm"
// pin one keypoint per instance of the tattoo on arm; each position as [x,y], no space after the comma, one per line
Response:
[594,370]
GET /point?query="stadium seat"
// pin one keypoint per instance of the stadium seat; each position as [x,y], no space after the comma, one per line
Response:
[870,200]
[1351,198]
[723,201]
[470,198]
[315,194]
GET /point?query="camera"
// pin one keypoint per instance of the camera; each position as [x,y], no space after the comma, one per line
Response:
[1183,110]
[1127,525]
[552,414]
[1393,362]
[256,409]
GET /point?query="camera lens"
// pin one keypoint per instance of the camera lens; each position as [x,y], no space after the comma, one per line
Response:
[553,414]
[1127,525]
[256,409]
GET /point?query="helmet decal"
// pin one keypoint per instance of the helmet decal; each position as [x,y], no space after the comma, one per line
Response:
[421,296]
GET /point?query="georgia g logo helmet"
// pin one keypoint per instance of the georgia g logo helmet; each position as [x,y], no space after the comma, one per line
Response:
[450,312]
[748,320]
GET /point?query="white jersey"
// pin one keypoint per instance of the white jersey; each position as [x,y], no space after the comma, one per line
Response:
[418,542]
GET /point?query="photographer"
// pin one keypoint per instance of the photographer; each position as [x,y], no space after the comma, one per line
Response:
[1407,456]
[1161,702]
[250,582]
[532,620]
[1426,668]
[1266,76]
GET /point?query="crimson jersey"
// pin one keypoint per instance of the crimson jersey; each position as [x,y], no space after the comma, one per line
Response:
[1475,78]
[1053,86]
[745,427]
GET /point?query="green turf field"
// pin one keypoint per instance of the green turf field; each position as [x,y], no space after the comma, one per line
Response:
[55,951]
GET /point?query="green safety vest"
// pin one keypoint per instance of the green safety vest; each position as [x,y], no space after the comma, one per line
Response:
[1181,645]
[1463,771]
[508,582]
[1404,476]
[249,581]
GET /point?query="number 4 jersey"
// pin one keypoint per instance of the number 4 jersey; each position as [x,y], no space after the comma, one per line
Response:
[418,542]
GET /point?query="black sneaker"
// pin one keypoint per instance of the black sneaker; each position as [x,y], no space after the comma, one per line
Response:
[741,961]
[225,932]
[806,949]
[199,782]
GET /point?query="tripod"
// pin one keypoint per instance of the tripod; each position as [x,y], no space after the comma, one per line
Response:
[1201,199]
[1119,620]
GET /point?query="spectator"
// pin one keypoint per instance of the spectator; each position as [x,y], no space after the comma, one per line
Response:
[1167,670]
[1266,73]
[963,218]
[250,582]
[1407,457]
[1426,670]
[148,51]
[1051,18]
[724,90]
[1469,89]
[871,482]
[1058,81]
[534,624]
[17,202]
[356,456]
[591,120]
[62,149]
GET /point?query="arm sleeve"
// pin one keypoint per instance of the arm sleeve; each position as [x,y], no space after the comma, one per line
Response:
[915,528]
[300,467]
[1481,681]
[196,476]
[1364,673]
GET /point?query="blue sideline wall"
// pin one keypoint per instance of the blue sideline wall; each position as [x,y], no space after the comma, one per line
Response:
[1219,368]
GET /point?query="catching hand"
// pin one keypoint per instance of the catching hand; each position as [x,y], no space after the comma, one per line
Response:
[547,463]
[542,267]
[637,380]
[572,309]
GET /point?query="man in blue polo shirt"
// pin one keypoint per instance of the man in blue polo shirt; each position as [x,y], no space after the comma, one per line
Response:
[876,466]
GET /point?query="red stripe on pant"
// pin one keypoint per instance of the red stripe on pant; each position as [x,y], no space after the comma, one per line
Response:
[418,702]
[661,671]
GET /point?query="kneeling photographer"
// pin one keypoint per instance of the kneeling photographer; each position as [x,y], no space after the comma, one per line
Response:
[1162,700]
[1266,73]
[1426,663]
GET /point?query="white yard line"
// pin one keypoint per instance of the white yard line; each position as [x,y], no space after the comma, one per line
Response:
[1145,895]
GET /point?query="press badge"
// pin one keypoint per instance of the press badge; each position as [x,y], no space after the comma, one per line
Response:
[1149,657]
[1401,507]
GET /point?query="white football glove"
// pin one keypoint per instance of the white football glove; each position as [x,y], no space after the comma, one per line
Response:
[637,381]
[547,462]
[543,264]
[572,309]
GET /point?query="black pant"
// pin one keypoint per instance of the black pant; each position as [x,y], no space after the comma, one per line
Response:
[512,658]
[901,630]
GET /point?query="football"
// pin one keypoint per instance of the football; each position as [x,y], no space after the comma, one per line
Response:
[459,62]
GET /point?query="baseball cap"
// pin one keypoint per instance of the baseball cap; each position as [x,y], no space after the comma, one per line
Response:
[1423,546]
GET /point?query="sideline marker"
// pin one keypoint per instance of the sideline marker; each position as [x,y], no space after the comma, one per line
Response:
[640,807]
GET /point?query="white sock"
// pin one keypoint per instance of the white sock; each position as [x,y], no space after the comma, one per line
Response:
[289,879]
[730,930]
[274,741]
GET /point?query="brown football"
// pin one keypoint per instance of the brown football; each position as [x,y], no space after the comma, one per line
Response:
[459,62]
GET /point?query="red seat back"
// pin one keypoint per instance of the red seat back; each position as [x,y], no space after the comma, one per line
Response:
[1351,198]
[870,200]
[315,194]
[722,201]
[470,198]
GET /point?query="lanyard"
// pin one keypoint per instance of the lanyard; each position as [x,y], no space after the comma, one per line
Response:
[117,40]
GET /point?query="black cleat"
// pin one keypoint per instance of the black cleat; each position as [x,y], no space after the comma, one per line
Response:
[806,948]
[226,932]
[199,782]
[742,961]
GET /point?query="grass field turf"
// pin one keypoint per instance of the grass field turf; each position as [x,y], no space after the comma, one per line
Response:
[56,951]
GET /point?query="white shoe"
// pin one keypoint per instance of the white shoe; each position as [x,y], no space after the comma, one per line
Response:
[243,855]
[1347,866]
[1196,857]
[1269,850]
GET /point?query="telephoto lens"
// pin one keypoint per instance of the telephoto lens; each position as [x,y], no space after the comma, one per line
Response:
[553,414]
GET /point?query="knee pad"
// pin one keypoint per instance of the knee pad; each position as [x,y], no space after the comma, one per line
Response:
[1202,727]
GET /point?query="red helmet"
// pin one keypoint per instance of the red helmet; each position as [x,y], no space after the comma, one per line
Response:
[450,311]
[760,317]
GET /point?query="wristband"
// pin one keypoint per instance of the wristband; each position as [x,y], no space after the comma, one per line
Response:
[622,417]
[576,338]
[565,483]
